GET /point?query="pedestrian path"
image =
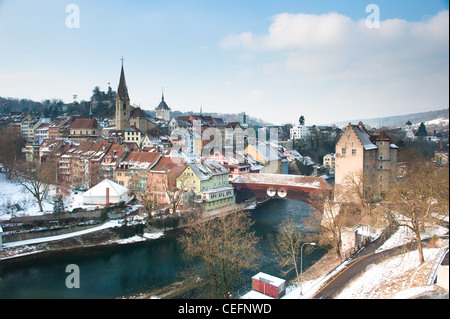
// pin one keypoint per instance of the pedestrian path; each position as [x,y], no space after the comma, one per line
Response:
[109,224]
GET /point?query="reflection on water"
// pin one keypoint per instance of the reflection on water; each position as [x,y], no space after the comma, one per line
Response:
[110,272]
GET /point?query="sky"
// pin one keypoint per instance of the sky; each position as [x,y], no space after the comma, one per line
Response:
[329,61]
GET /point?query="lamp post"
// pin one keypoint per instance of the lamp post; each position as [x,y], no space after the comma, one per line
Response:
[301,266]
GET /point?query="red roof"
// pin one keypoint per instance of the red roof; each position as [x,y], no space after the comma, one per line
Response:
[84,123]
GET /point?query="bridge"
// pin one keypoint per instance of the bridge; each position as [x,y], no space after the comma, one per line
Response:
[263,186]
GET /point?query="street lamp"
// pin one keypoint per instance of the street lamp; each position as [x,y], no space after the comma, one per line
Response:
[301,266]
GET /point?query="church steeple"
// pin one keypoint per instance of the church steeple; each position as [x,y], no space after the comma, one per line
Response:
[122,103]
[122,91]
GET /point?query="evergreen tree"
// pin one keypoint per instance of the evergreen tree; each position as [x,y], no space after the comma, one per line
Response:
[422,131]
[58,206]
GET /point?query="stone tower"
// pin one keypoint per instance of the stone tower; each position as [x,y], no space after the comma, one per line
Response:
[122,104]
[163,111]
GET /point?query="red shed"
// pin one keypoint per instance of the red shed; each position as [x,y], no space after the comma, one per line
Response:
[268,285]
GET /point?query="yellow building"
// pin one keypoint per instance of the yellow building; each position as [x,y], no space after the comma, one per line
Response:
[209,183]
[329,161]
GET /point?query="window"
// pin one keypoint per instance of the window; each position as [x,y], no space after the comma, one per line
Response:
[344,151]
[353,152]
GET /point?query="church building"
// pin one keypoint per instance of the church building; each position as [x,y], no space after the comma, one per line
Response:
[122,104]
[126,117]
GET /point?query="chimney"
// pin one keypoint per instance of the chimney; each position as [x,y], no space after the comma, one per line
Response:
[107,196]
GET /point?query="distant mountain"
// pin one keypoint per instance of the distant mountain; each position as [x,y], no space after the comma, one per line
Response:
[399,120]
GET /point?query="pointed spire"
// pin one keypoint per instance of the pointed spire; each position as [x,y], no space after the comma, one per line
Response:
[201,113]
[90,111]
[122,92]
[162,98]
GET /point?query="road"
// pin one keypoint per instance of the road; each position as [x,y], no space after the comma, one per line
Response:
[358,264]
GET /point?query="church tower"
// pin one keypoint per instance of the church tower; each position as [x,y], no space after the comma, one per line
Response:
[122,104]
[163,111]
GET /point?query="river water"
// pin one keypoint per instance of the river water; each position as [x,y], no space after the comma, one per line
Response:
[110,272]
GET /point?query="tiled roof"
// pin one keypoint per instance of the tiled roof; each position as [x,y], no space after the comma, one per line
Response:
[140,160]
[84,123]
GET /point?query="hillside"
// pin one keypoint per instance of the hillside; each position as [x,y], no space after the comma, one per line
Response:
[399,120]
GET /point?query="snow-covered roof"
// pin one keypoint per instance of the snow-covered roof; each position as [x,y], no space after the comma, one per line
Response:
[282,180]
[271,280]
[364,137]
[100,189]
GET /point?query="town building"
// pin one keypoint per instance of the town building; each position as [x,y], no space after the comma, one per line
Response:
[242,118]
[162,180]
[209,183]
[273,161]
[142,122]
[32,149]
[329,161]
[54,127]
[162,111]
[133,135]
[358,152]
[83,129]
[29,127]
[231,160]
[42,131]
[132,171]
[111,160]
[299,132]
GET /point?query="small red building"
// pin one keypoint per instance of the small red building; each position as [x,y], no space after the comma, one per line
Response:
[269,285]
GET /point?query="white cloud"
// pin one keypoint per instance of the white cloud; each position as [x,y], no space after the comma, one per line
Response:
[340,64]
[333,30]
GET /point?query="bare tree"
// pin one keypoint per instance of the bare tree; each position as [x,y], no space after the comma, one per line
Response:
[365,191]
[331,216]
[11,144]
[174,191]
[226,247]
[36,178]
[166,183]
[287,247]
[420,199]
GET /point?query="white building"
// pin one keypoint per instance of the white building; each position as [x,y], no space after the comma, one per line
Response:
[299,132]
[105,193]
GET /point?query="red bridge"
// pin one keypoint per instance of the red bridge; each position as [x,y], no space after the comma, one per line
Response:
[262,186]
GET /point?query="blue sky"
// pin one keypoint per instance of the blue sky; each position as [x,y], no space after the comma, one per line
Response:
[276,60]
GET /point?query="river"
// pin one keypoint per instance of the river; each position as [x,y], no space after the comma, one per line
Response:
[110,272]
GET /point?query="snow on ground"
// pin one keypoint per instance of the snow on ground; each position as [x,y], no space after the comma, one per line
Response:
[12,193]
[110,224]
[393,278]
[404,235]
[388,277]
